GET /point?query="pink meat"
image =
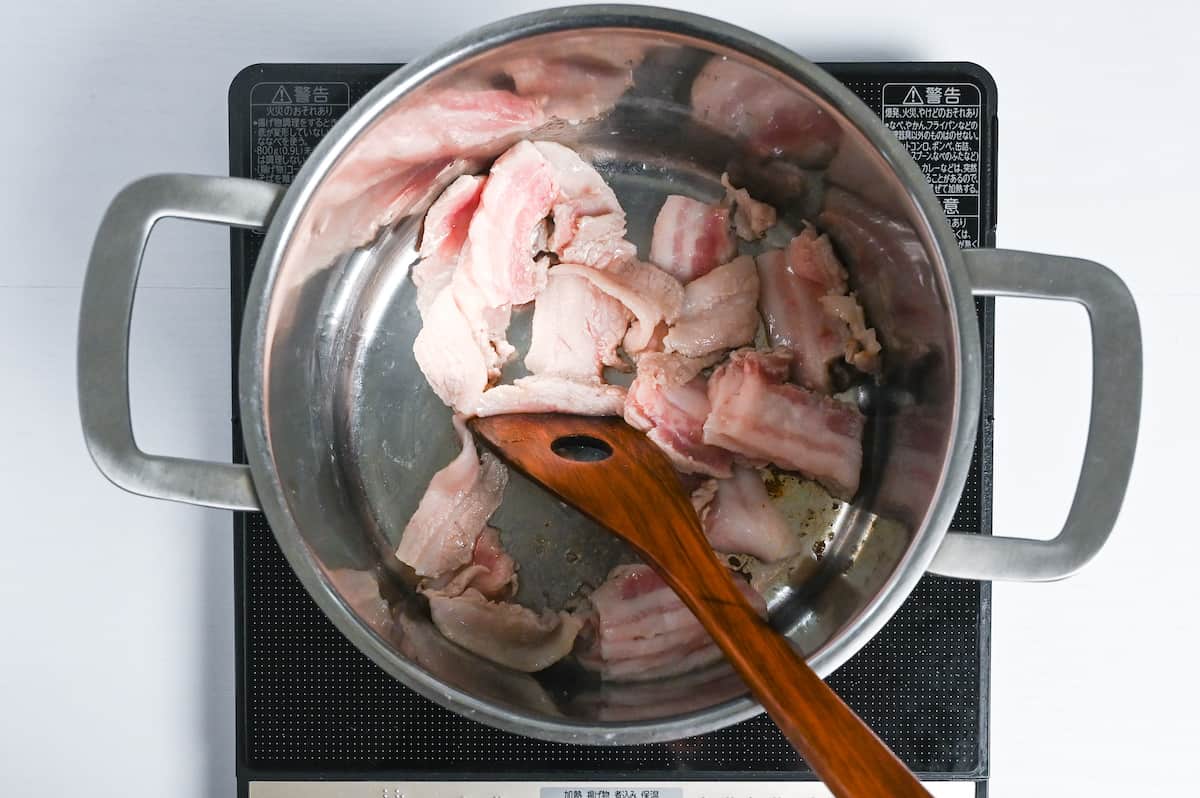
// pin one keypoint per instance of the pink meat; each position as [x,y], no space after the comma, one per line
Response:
[432,126]
[491,571]
[862,346]
[430,276]
[741,519]
[498,256]
[754,414]
[771,118]
[447,220]
[690,238]
[751,218]
[720,311]
[589,223]
[892,271]
[650,294]
[504,633]
[793,283]
[449,354]
[576,329]
[669,401]
[498,579]
[487,323]
[644,631]
[441,535]
[575,80]
[548,394]
[339,221]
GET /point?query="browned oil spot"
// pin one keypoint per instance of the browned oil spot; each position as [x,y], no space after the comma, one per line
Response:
[819,548]
[774,485]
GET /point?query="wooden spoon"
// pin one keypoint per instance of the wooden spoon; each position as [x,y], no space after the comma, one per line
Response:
[616,476]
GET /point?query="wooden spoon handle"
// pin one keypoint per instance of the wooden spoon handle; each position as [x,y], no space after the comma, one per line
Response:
[851,760]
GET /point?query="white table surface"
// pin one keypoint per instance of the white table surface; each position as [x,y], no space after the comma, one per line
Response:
[116,666]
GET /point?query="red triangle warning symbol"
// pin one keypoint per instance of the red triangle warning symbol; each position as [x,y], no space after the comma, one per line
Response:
[912,98]
[282,96]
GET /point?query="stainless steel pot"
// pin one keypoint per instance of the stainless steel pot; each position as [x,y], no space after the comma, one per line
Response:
[342,435]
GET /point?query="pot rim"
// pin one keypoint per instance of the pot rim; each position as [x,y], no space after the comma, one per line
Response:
[933,230]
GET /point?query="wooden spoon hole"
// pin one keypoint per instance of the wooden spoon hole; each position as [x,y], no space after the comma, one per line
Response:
[581,448]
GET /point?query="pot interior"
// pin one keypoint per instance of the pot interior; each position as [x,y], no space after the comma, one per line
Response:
[355,434]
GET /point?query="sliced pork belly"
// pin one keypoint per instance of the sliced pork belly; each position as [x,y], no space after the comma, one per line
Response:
[806,309]
[430,276]
[441,535]
[739,517]
[449,354]
[447,220]
[504,633]
[650,294]
[757,416]
[771,118]
[576,79]
[669,401]
[751,218]
[499,578]
[548,394]
[589,223]
[492,571]
[339,222]
[576,329]
[437,126]
[691,238]
[862,345]
[498,257]
[462,345]
[642,630]
[720,311]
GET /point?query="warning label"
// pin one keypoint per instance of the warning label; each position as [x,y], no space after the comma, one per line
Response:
[941,125]
[287,121]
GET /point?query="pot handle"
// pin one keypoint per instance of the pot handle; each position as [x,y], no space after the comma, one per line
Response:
[104,317]
[1112,434]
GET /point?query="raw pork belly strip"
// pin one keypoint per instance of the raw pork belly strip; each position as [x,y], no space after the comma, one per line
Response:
[771,118]
[719,311]
[690,238]
[497,257]
[439,125]
[447,220]
[806,309]
[669,401]
[575,79]
[576,329]
[507,634]
[492,571]
[650,294]
[751,218]
[757,416]
[642,630]
[430,276]
[547,394]
[740,518]
[449,354]
[441,535]
[589,223]
[442,238]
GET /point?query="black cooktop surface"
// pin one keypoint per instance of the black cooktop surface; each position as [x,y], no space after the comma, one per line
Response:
[311,706]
